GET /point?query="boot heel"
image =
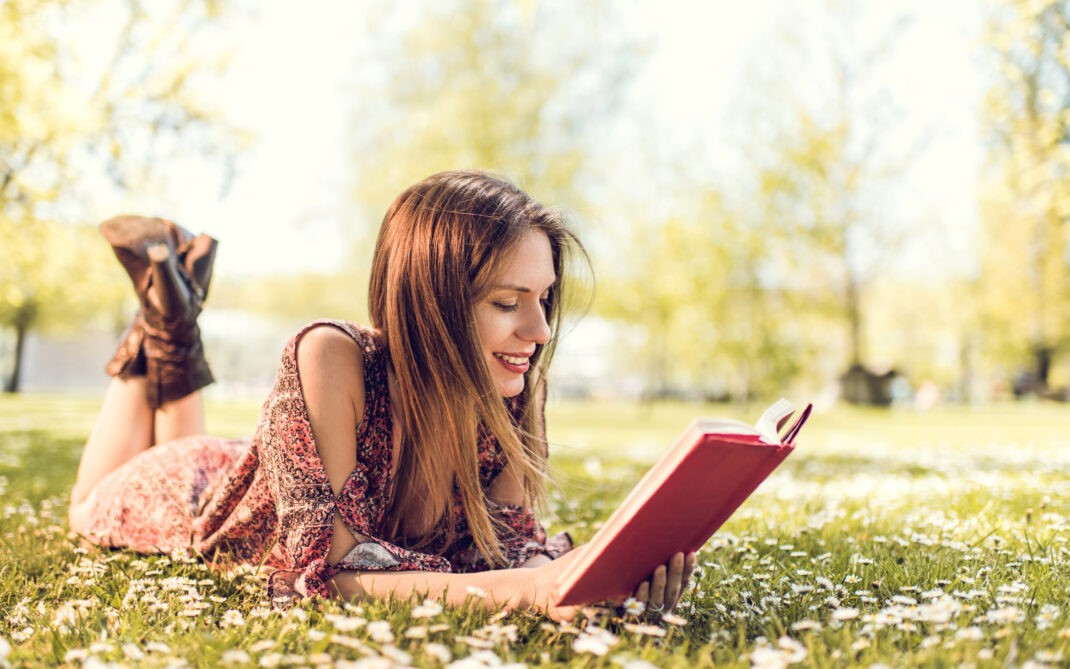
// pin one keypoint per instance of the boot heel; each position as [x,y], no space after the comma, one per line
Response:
[171,289]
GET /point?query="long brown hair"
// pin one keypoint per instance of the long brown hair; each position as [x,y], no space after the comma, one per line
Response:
[440,245]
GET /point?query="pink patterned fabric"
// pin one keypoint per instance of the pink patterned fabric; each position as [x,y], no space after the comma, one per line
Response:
[270,500]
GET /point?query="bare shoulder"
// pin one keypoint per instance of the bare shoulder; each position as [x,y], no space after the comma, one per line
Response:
[331,366]
[331,369]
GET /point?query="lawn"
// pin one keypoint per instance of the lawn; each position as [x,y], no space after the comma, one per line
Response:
[888,538]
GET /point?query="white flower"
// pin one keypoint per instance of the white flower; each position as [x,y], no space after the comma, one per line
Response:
[765,657]
[804,625]
[632,663]
[345,623]
[1048,656]
[379,630]
[262,645]
[475,591]
[270,660]
[634,607]
[972,633]
[429,609]
[795,651]
[75,655]
[133,652]
[157,647]
[300,614]
[317,635]
[844,613]
[5,649]
[22,635]
[437,651]
[235,657]
[233,618]
[396,654]
[940,610]
[1048,614]
[647,630]
[1009,614]
[674,619]
[486,658]
[594,640]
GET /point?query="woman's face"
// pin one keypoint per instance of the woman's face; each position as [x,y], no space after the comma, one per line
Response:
[511,318]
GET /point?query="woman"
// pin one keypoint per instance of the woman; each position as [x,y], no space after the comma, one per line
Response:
[434,493]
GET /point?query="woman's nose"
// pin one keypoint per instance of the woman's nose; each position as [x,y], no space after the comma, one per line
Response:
[536,328]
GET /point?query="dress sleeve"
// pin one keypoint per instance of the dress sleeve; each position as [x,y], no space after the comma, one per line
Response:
[306,504]
[525,537]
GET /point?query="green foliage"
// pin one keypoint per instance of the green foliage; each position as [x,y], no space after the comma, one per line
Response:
[694,287]
[296,299]
[64,121]
[907,539]
[484,84]
[1025,277]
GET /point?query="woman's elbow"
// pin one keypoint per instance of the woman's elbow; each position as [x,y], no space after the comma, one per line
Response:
[346,586]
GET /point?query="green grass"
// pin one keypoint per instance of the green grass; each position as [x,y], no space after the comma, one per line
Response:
[936,539]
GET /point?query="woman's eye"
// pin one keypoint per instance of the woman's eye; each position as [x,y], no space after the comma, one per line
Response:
[505,306]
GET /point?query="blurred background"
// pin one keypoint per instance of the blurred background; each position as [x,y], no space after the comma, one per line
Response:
[838,201]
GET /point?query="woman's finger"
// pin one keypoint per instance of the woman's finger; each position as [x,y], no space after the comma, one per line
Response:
[690,562]
[642,593]
[674,580]
[657,588]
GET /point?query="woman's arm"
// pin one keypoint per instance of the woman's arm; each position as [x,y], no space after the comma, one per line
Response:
[511,589]
[331,370]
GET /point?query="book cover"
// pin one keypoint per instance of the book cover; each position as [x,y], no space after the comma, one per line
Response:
[680,502]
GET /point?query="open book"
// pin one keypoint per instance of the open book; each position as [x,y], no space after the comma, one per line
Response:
[679,504]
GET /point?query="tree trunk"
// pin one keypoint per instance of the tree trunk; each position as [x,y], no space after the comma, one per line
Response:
[12,385]
[854,319]
[1042,356]
[23,321]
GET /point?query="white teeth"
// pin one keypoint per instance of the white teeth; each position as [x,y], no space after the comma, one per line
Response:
[511,360]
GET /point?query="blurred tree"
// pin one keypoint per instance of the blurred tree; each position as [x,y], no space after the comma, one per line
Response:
[295,299]
[67,113]
[1025,280]
[699,283]
[823,172]
[514,87]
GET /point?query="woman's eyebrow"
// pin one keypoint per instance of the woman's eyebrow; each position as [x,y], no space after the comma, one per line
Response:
[516,287]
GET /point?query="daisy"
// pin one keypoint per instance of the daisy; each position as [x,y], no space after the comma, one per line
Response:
[633,607]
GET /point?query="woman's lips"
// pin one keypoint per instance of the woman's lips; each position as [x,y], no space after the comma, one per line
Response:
[518,364]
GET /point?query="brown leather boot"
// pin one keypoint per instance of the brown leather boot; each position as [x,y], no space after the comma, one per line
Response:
[170,269]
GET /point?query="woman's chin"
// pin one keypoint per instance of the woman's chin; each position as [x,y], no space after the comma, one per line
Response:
[511,387]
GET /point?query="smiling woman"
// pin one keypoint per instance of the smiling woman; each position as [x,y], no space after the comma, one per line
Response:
[407,457]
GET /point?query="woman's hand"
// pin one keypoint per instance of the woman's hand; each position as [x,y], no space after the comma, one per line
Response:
[667,584]
[545,579]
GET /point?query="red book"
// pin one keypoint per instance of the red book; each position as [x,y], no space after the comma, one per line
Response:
[678,505]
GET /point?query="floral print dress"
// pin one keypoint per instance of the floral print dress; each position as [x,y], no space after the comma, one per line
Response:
[269,501]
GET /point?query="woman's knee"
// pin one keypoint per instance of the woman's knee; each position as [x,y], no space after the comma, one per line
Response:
[78,514]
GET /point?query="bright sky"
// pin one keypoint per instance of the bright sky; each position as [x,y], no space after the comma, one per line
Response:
[290,84]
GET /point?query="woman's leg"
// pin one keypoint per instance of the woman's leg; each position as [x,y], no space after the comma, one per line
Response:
[180,418]
[125,427]
[160,367]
